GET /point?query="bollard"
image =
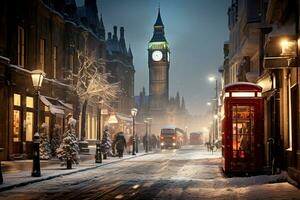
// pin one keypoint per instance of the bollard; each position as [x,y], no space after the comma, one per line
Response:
[98,155]
[36,168]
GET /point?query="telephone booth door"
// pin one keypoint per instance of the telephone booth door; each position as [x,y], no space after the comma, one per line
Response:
[243,130]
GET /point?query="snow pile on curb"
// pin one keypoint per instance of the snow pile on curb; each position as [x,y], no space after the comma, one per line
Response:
[257,180]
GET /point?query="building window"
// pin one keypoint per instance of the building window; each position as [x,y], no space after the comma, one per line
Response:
[16,126]
[29,102]
[29,126]
[54,61]
[17,118]
[21,46]
[42,54]
[17,100]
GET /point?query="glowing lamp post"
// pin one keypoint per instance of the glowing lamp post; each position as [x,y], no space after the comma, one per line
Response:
[37,77]
[212,78]
[148,129]
[133,114]
[98,156]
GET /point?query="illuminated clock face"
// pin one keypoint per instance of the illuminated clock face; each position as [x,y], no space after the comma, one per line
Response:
[157,55]
[168,57]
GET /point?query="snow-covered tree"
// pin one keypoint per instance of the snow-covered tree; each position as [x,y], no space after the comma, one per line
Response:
[68,151]
[106,144]
[45,150]
[56,139]
[91,84]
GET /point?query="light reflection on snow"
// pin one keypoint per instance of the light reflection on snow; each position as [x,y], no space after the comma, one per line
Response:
[136,186]
[120,196]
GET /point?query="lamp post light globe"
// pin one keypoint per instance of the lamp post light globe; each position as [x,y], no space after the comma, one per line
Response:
[37,77]
[211,78]
[133,114]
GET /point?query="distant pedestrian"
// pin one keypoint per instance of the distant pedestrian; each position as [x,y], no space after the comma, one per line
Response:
[145,141]
[153,141]
[120,143]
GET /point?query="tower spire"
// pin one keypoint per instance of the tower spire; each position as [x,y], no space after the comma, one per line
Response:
[158,22]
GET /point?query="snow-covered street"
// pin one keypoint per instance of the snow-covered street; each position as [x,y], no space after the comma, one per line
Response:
[188,173]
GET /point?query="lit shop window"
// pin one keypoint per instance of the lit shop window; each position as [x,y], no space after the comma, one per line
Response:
[29,126]
[17,100]
[29,102]
[16,126]
[47,122]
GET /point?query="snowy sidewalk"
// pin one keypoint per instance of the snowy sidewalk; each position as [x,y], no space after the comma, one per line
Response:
[17,178]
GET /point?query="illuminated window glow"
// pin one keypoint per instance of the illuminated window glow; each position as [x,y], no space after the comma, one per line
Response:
[29,126]
[29,102]
[259,94]
[243,94]
[17,100]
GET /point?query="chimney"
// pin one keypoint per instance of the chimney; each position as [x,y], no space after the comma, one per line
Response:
[109,36]
[122,32]
[115,36]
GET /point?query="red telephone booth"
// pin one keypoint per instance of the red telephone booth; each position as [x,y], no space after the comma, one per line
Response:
[242,128]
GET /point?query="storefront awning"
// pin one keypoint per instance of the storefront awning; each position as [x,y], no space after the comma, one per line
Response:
[124,118]
[66,105]
[54,109]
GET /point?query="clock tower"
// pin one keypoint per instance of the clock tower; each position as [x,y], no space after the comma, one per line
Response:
[159,64]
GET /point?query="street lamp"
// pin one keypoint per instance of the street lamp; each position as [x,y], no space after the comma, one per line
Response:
[37,77]
[148,126]
[212,78]
[133,114]
[208,103]
[146,123]
[98,156]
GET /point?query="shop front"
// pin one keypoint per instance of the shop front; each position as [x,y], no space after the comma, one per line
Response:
[19,112]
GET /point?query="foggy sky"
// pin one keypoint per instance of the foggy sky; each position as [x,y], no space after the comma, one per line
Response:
[195,30]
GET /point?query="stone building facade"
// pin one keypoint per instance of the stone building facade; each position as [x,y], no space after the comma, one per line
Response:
[120,66]
[46,35]
[263,49]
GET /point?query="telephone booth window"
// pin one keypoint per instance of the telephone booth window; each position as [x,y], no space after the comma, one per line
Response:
[242,132]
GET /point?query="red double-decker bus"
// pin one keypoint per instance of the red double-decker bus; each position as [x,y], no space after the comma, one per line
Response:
[171,137]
